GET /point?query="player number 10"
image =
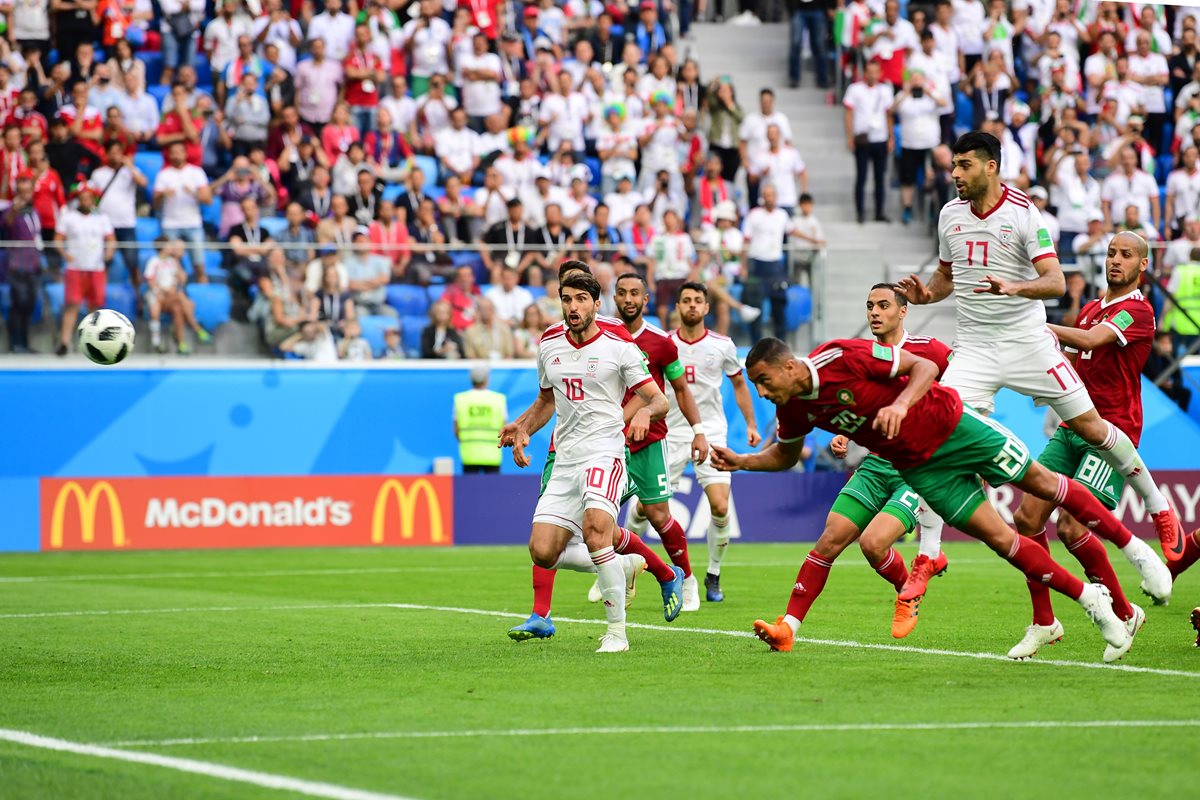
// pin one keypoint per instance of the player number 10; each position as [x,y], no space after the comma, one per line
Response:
[983,245]
[573,388]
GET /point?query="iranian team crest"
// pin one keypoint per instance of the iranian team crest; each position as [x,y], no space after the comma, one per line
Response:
[1005,233]
[845,397]
[593,363]
[710,359]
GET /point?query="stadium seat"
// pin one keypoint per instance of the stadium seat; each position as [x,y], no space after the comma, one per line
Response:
[435,292]
[211,213]
[435,192]
[409,301]
[204,71]
[373,328]
[428,165]
[212,304]
[274,226]
[5,300]
[391,191]
[154,66]
[799,306]
[121,298]
[159,93]
[410,334]
[147,229]
[150,164]
[54,296]
[537,292]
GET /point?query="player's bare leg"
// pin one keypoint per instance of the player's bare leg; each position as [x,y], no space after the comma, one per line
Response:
[718,539]
[876,544]
[674,540]
[1118,452]
[670,579]
[986,525]
[635,519]
[839,534]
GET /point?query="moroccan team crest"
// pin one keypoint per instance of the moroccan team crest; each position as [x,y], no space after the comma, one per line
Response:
[845,397]
[1005,233]
[593,363]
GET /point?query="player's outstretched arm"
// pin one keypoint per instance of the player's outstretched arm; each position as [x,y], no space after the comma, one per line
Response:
[745,404]
[687,405]
[1049,283]
[939,287]
[530,421]
[921,374]
[1082,340]
[776,458]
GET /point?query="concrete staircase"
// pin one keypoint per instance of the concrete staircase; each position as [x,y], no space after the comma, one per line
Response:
[858,255]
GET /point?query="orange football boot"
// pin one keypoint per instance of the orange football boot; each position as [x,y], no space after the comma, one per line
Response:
[779,636]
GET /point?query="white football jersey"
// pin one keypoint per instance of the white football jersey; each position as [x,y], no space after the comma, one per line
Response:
[1004,243]
[706,363]
[589,382]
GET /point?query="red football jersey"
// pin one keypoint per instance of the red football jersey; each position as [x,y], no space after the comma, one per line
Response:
[662,357]
[852,380]
[363,92]
[1113,373]
[610,324]
[928,348]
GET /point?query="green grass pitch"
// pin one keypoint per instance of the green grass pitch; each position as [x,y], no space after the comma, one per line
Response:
[297,665]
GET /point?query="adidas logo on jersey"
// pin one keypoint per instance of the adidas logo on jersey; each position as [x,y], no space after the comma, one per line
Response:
[956,229]
[556,361]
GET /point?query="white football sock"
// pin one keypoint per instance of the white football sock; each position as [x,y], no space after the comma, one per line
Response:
[718,541]
[575,558]
[930,525]
[792,623]
[155,332]
[1120,454]
[611,577]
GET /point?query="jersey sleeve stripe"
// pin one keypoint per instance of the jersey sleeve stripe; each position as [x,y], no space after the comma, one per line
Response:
[1120,334]
[640,384]
[895,362]
[1044,256]
[944,263]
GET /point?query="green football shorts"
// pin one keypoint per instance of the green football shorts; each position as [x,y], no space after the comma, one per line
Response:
[649,473]
[1067,454]
[876,488]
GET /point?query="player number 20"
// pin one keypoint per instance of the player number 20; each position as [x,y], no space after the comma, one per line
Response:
[1011,457]
[573,388]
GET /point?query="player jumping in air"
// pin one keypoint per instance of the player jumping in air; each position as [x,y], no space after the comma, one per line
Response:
[1109,347]
[997,257]
[940,447]
[588,372]
[708,358]
[648,456]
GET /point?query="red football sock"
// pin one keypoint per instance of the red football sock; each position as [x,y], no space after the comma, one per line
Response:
[809,583]
[1081,505]
[1090,552]
[893,570]
[630,542]
[1039,595]
[543,590]
[1191,553]
[674,539]
[1038,566]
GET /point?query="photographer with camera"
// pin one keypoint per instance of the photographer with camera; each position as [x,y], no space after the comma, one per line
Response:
[917,108]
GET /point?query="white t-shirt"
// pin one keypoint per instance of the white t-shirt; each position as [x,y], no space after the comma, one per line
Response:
[920,127]
[753,131]
[1122,191]
[180,210]
[1145,67]
[945,40]
[1185,189]
[162,272]
[1097,65]
[429,46]
[937,75]
[437,112]
[904,37]
[622,206]
[662,150]
[119,203]
[1127,95]
[706,363]
[764,231]
[970,21]
[84,235]
[725,247]
[780,170]
[870,106]
[338,32]
[493,205]
[564,117]
[403,111]
[1005,244]
[510,306]
[1074,197]
[589,382]
[457,148]
[481,98]
[673,255]
[220,39]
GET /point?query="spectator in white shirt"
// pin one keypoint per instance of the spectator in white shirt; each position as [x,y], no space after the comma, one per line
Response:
[752,133]
[780,166]
[1098,69]
[179,191]
[1076,195]
[766,270]
[118,181]
[426,40]
[1151,71]
[277,27]
[931,62]
[672,261]
[138,108]
[1180,250]
[868,123]
[1090,247]
[1183,191]
[563,116]
[85,239]
[456,147]
[623,202]
[1130,185]
[221,42]
[920,131]
[481,83]
[335,28]
[617,147]
[509,299]
[433,112]
[1148,24]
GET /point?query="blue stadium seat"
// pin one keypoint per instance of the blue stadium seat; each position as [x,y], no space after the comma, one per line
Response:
[211,213]
[1163,166]
[391,191]
[154,66]
[274,226]
[410,334]
[150,163]
[467,258]
[435,292]
[147,229]
[5,300]
[204,70]
[159,93]
[428,165]
[409,301]
[212,304]
[373,328]
[593,164]
[537,292]
[964,111]
[435,192]
[54,295]
[121,298]
[799,306]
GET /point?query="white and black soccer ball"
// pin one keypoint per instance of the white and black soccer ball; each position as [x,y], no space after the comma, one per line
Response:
[105,336]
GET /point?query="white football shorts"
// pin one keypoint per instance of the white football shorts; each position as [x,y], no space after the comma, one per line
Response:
[573,488]
[679,454]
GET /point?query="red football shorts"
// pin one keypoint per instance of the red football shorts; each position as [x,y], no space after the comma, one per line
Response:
[82,286]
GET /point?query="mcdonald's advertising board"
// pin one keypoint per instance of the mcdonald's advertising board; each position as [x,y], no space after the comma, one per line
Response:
[202,512]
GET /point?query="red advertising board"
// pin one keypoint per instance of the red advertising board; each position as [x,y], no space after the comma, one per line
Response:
[203,512]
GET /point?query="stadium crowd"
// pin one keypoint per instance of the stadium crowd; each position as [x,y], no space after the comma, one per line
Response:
[1096,105]
[383,178]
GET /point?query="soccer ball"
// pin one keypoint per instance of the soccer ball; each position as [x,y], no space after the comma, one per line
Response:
[105,336]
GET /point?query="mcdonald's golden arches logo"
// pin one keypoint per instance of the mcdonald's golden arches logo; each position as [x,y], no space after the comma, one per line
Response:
[406,502]
[88,504]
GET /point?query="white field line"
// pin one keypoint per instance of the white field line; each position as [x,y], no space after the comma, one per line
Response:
[284,573]
[671,729]
[847,643]
[208,769]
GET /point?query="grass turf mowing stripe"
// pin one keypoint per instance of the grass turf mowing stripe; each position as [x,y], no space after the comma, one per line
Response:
[848,643]
[266,780]
[866,727]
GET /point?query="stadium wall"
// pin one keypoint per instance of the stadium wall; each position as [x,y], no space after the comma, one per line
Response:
[255,455]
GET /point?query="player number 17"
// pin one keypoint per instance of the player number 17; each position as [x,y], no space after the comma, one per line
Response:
[982,245]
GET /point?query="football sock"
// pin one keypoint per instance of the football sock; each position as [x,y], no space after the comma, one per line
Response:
[543,590]
[892,570]
[631,543]
[718,540]
[635,521]
[155,332]
[612,588]
[809,583]
[674,539]
[1120,454]
[1090,553]
[1191,552]
[930,526]
[1038,566]
[1039,595]
[575,558]
[1081,505]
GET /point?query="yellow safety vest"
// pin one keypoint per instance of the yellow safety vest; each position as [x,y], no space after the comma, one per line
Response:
[480,415]
[1187,297]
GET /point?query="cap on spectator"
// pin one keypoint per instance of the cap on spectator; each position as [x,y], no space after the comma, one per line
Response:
[25,175]
[1019,107]
[479,373]
[1094,215]
[327,250]
[580,172]
[531,10]
[1039,193]
[624,175]
[543,43]
[362,230]
[83,187]
[647,5]
[725,210]
[510,36]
